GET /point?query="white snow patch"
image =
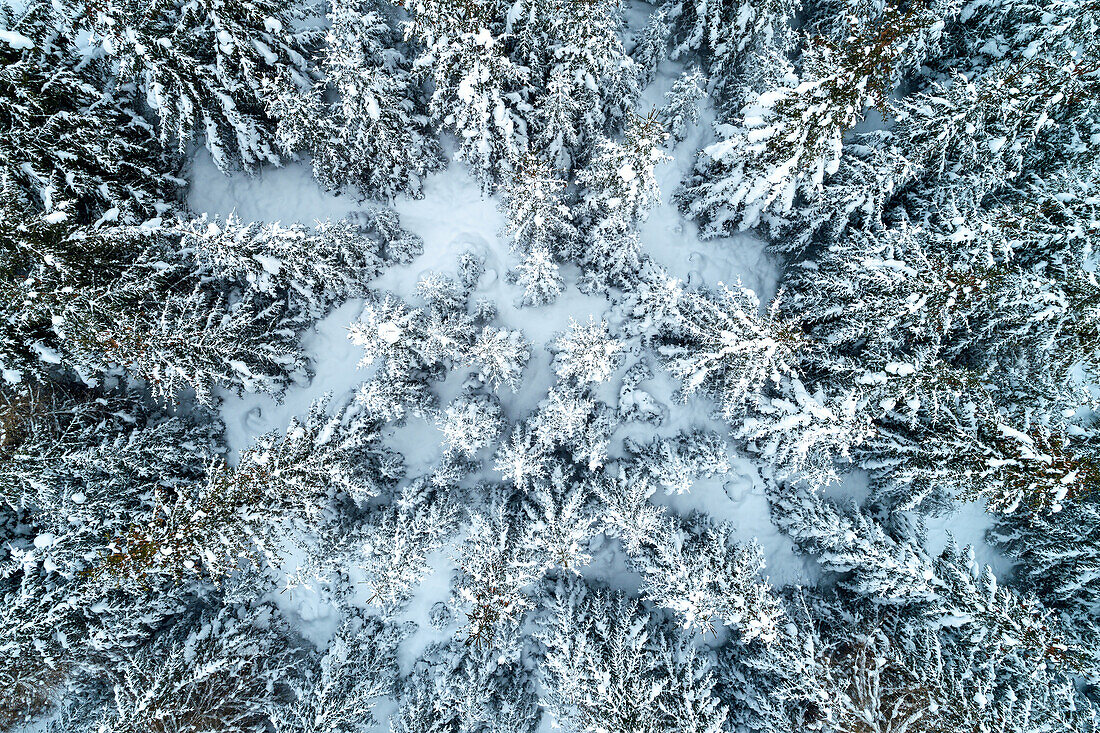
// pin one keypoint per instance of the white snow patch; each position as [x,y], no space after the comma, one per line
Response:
[17,41]
[967,525]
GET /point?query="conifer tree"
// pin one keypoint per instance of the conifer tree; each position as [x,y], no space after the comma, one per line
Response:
[392,547]
[495,570]
[206,68]
[609,665]
[559,520]
[341,691]
[689,566]
[375,136]
[471,422]
[456,687]
[620,179]
[591,80]
[727,33]
[224,673]
[675,463]
[720,345]
[523,459]
[475,85]
[540,277]
[74,153]
[538,218]
[587,353]
[681,111]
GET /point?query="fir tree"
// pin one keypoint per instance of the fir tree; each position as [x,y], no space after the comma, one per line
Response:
[720,345]
[224,672]
[538,218]
[375,136]
[681,111]
[495,570]
[206,68]
[392,547]
[620,179]
[609,665]
[341,691]
[471,422]
[587,353]
[474,95]
[456,687]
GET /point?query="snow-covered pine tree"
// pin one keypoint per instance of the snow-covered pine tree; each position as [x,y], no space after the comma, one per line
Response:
[540,277]
[375,135]
[780,146]
[626,512]
[873,564]
[689,566]
[587,353]
[206,68]
[399,245]
[456,687]
[843,664]
[557,111]
[806,436]
[675,463]
[620,180]
[573,420]
[976,135]
[933,363]
[1056,559]
[339,693]
[180,304]
[719,343]
[161,323]
[73,155]
[726,34]
[499,356]
[637,404]
[73,152]
[699,573]
[495,570]
[149,507]
[907,637]
[787,138]
[471,422]
[651,46]
[559,519]
[475,85]
[590,79]
[613,257]
[391,548]
[871,170]
[681,111]
[539,220]
[390,331]
[331,455]
[523,459]
[85,468]
[223,671]
[416,345]
[34,623]
[609,665]
[77,467]
[1025,102]
[310,269]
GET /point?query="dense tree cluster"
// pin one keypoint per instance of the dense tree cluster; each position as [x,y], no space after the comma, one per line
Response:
[925,175]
